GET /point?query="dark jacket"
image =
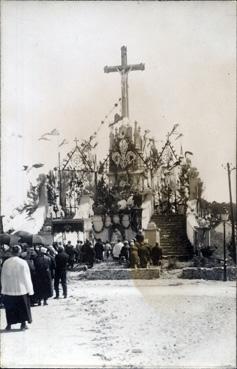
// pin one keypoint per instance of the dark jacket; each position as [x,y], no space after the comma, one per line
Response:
[70,251]
[43,267]
[156,255]
[134,258]
[89,255]
[144,255]
[125,252]
[61,260]
[99,248]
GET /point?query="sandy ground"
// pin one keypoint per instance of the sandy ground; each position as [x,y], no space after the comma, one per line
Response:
[158,323]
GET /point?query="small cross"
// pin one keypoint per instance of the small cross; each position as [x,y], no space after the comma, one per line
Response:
[76,140]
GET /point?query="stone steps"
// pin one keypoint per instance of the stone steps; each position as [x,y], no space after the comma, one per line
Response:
[173,238]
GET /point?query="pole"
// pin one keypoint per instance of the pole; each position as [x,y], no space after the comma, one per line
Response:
[124,82]
[231,213]
[96,185]
[124,92]
[224,246]
[60,180]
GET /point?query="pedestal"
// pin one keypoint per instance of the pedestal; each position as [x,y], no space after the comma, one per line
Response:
[152,234]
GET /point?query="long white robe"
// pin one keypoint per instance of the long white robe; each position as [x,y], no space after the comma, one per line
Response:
[15,277]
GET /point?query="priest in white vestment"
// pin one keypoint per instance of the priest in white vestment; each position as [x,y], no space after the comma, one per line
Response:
[16,289]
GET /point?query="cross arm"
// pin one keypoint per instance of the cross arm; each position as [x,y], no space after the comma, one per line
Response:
[132,67]
[112,69]
[128,68]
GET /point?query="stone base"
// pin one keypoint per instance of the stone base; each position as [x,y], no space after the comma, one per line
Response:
[215,273]
[112,274]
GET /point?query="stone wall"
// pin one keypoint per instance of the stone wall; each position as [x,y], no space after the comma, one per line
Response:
[108,274]
[215,273]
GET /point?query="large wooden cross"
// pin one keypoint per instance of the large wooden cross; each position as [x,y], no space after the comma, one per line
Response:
[124,69]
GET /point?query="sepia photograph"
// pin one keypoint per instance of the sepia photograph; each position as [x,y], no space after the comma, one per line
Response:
[118,184]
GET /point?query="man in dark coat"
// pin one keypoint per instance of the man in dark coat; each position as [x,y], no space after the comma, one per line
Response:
[51,252]
[156,254]
[134,258]
[99,248]
[82,254]
[89,254]
[61,260]
[144,255]
[71,253]
[78,251]
[43,267]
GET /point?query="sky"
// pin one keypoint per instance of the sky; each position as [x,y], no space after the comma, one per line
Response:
[52,59]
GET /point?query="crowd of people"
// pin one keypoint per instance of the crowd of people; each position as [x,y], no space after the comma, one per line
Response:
[136,253]
[29,274]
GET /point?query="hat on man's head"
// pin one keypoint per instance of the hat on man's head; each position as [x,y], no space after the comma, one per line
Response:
[43,250]
[16,249]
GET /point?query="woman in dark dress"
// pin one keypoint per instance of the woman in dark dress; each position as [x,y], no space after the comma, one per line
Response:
[43,267]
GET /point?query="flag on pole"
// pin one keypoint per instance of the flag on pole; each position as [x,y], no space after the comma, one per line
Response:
[117,118]
[43,138]
[187,153]
[180,135]
[54,132]
[27,168]
[173,131]
[37,165]
[64,142]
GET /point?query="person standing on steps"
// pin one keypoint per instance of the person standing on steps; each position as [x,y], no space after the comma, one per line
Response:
[144,254]
[134,258]
[156,254]
[107,250]
[124,253]
[117,249]
[16,290]
[99,248]
[61,261]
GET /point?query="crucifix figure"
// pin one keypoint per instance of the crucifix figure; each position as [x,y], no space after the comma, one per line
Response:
[124,69]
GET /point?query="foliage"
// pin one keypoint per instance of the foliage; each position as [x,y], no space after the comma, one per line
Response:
[104,198]
[215,209]
[51,188]
[30,205]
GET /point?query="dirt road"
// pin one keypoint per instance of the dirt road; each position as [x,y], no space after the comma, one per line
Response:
[159,323]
